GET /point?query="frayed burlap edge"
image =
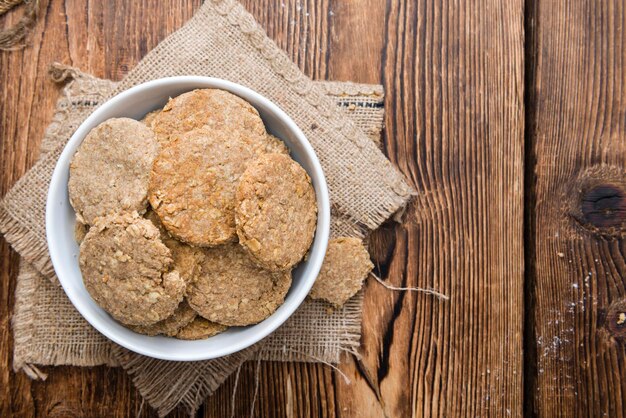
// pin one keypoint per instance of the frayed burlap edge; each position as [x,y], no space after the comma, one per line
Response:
[275,347]
[29,247]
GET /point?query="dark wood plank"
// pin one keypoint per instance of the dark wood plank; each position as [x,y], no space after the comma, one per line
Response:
[577,361]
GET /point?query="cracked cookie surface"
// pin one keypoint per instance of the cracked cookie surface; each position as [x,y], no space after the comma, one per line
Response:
[126,269]
[187,259]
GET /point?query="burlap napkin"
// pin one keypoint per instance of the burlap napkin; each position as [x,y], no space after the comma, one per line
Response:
[221,40]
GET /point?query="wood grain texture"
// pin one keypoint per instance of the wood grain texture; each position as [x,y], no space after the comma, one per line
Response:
[577,208]
[454,81]
[454,125]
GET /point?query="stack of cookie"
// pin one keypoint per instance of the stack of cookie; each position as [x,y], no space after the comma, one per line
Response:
[192,219]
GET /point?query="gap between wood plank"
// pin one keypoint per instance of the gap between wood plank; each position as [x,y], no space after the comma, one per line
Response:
[529,332]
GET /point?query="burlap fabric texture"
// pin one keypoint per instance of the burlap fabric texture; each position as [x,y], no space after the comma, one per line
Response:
[221,40]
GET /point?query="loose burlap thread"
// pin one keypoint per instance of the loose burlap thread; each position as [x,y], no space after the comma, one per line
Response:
[340,119]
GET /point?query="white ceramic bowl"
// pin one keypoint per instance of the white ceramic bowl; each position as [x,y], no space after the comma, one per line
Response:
[60,220]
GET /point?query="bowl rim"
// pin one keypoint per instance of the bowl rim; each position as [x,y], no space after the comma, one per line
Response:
[315,259]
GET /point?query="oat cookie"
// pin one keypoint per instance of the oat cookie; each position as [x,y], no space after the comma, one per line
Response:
[232,290]
[187,259]
[200,329]
[149,118]
[127,270]
[346,265]
[276,211]
[193,182]
[183,315]
[110,171]
[275,145]
[206,107]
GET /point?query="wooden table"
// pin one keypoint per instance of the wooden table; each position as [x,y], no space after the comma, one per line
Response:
[508,117]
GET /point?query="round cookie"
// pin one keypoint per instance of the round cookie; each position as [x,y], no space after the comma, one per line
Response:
[200,329]
[276,211]
[109,172]
[346,264]
[232,290]
[193,182]
[206,107]
[182,316]
[187,259]
[127,270]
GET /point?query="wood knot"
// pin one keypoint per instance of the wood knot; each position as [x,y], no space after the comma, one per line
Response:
[604,206]
[598,200]
[616,319]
